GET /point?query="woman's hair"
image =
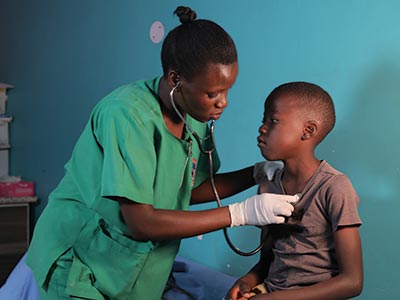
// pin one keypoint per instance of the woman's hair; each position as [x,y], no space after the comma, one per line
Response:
[190,47]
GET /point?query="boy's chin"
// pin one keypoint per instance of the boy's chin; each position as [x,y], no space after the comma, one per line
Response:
[269,157]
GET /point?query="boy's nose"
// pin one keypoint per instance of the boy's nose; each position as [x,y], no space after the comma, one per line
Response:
[262,129]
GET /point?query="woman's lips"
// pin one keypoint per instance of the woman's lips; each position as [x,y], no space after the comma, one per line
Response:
[215,116]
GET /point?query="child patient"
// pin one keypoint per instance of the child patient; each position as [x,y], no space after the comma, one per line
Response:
[317,253]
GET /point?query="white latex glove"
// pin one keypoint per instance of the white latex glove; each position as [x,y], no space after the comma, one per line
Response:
[267,169]
[262,209]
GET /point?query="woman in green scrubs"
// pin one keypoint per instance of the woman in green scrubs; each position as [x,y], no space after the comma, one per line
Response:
[112,227]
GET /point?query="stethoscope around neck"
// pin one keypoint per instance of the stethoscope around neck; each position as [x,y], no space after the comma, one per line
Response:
[209,152]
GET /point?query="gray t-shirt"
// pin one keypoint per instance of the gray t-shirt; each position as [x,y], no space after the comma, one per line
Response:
[307,255]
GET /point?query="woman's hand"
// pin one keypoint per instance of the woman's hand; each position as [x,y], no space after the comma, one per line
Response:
[262,209]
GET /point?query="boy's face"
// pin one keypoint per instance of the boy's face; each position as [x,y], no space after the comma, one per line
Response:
[282,129]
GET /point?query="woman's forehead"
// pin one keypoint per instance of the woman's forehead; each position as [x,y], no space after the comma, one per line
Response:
[217,75]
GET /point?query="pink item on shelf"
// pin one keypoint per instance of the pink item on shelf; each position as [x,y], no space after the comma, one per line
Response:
[17,189]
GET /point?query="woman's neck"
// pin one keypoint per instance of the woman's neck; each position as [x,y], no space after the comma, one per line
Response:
[171,119]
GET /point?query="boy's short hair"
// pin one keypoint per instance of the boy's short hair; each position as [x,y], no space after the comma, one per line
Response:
[315,101]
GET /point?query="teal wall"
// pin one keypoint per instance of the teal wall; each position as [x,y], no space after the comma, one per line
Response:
[63,56]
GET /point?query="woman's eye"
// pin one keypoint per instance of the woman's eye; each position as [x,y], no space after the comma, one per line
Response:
[212,95]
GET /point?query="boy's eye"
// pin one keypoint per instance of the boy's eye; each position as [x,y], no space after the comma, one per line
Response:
[270,120]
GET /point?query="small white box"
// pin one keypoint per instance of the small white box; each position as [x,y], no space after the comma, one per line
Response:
[3,96]
[3,100]
[4,163]
[4,136]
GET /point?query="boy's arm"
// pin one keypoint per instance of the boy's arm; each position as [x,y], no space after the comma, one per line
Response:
[240,290]
[347,284]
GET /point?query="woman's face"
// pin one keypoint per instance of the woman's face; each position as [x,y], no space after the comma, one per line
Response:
[205,97]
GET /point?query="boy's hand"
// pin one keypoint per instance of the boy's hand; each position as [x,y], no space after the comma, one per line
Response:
[240,291]
[267,169]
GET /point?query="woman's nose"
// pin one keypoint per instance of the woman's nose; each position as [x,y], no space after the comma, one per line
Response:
[222,102]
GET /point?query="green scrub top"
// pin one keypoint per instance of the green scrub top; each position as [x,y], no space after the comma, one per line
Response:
[125,150]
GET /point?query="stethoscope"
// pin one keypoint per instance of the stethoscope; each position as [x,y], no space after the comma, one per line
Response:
[209,152]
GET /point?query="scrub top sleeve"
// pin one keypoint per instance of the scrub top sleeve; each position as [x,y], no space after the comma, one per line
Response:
[129,157]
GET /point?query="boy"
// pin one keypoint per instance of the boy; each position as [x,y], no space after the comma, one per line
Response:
[317,253]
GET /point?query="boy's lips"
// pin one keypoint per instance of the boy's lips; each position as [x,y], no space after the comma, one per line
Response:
[260,141]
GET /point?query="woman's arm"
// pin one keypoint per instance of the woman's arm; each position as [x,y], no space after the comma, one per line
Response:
[147,223]
[227,184]
[347,284]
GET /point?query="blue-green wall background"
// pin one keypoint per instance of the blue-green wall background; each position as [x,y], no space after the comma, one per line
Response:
[63,56]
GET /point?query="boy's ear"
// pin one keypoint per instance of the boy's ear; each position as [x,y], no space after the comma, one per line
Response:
[310,130]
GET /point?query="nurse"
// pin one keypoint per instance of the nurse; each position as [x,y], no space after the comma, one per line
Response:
[112,227]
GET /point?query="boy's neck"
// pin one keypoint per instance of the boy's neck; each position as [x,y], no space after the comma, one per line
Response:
[297,174]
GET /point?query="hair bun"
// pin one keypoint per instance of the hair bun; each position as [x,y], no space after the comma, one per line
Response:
[185,14]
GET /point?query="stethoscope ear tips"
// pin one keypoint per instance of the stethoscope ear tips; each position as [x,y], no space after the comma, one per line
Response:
[176,87]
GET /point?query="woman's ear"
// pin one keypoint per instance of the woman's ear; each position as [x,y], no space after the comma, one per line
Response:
[310,130]
[174,79]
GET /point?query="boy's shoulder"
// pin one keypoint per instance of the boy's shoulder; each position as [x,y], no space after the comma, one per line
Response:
[332,179]
[326,167]
[329,171]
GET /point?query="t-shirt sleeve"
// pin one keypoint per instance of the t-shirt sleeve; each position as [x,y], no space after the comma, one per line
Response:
[342,203]
[129,156]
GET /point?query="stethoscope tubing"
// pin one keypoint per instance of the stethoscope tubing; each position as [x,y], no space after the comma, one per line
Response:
[209,152]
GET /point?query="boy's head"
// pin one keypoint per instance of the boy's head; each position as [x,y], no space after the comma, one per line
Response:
[295,113]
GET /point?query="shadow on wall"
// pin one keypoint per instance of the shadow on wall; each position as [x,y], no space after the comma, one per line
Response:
[372,133]
[370,137]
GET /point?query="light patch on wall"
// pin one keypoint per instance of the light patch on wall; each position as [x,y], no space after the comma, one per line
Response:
[200,237]
[156,32]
